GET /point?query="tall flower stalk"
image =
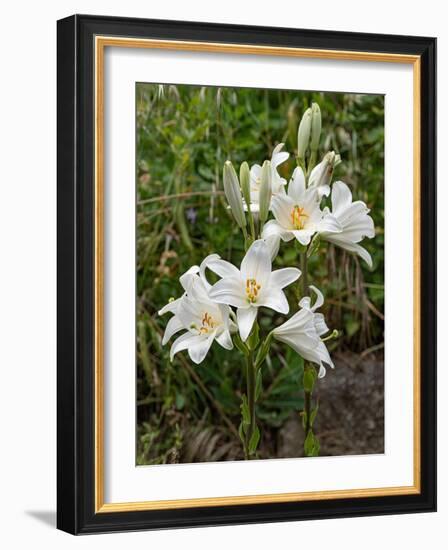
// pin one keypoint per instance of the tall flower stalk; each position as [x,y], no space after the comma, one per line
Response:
[270,212]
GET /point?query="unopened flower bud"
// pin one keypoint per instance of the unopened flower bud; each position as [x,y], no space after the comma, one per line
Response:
[303,135]
[265,190]
[233,193]
[316,127]
[245,182]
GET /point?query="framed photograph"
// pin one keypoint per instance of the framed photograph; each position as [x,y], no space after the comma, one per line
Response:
[246,274]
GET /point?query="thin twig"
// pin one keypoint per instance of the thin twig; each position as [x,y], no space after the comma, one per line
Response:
[368,351]
[185,195]
[373,309]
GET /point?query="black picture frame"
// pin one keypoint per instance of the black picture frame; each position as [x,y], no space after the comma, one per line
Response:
[75,309]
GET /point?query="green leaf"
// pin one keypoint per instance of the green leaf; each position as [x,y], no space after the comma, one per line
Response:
[258,385]
[254,439]
[309,444]
[241,432]
[240,345]
[303,415]
[352,327]
[264,350]
[313,415]
[245,411]
[180,401]
[254,339]
[314,246]
[316,448]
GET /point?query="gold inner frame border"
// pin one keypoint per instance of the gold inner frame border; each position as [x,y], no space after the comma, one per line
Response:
[101,42]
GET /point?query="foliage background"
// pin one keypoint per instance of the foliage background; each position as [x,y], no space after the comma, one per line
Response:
[188,413]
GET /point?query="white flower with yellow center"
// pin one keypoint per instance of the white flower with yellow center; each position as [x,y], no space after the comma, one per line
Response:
[278,183]
[354,220]
[303,331]
[252,286]
[203,319]
[298,214]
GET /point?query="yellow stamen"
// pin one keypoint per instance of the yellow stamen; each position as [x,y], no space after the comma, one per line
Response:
[297,217]
[252,290]
[208,323]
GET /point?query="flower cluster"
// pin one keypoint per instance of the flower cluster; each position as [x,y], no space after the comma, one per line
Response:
[270,211]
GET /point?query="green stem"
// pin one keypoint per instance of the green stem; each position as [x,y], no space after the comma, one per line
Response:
[251,222]
[250,376]
[306,365]
[244,230]
[311,163]
[304,268]
[307,406]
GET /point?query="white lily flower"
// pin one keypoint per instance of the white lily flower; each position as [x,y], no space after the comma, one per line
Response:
[204,320]
[354,220]
[320,176]
[303,330]
[252,286]
[298,214]
[319,319]
[185,281]
[278,183]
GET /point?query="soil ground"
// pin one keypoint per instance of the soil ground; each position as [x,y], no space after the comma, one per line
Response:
[350,420]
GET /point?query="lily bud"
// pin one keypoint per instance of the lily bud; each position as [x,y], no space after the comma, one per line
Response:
[265,190]
[316,127]
[233,193]
[303,135]
[245,182]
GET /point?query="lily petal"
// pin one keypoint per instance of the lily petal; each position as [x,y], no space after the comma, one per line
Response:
[319,298]
[170,307]
[341,197]
[219,266]
[246,318]
[297,186]
[273,244]
[186,278]
[273,229]
[225,340]
[329,223]
[320,324]
[256,263]
[229,291]
[184,342]
[303,235]
[173,326]
[274,298]
[199,349]
[279,156]
[282,206]
[284,277]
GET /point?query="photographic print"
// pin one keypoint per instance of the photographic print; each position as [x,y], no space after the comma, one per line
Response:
[260,274]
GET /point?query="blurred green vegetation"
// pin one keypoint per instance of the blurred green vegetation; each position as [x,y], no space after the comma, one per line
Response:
[188,413]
